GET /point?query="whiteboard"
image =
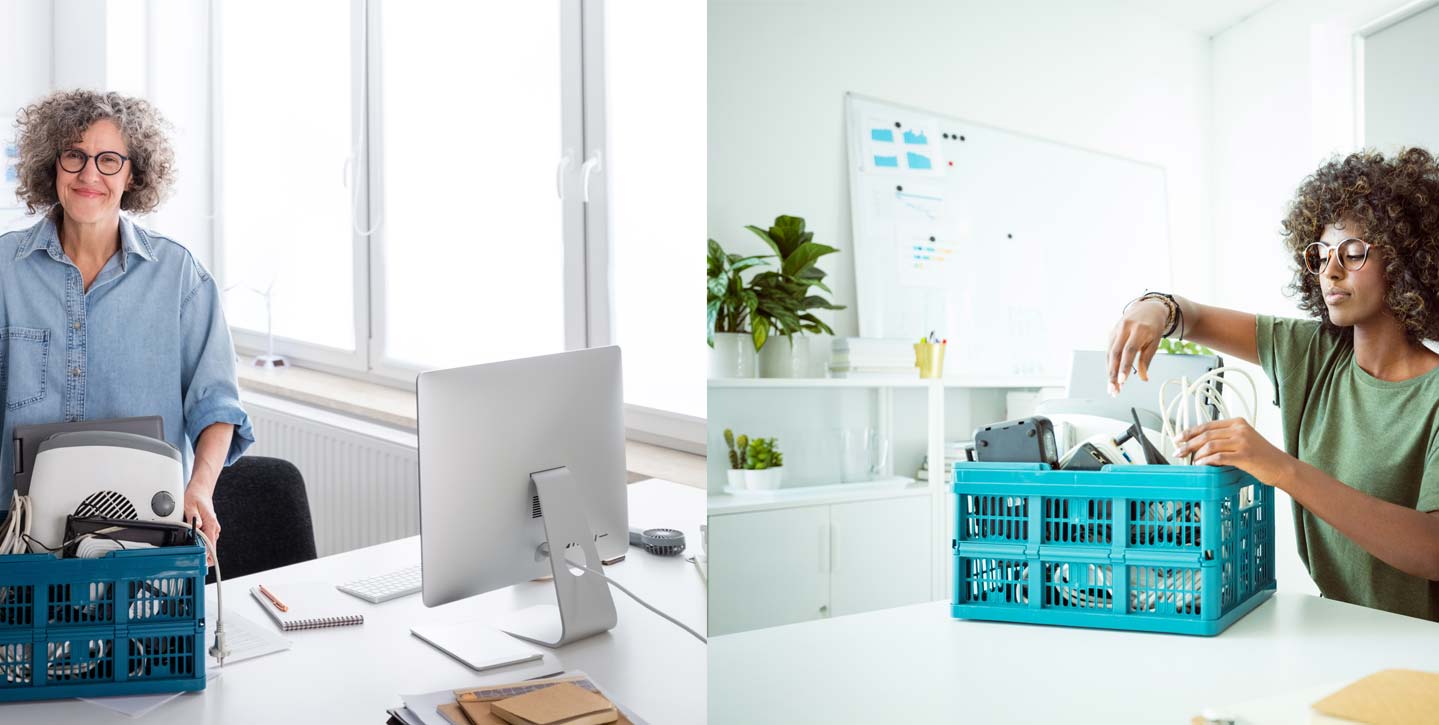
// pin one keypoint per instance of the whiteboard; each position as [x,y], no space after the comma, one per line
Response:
[1017,250]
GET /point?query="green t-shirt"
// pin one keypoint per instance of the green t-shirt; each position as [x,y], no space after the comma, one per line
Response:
[1376,436]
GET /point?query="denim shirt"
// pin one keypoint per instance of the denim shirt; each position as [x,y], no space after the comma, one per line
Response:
[148,338]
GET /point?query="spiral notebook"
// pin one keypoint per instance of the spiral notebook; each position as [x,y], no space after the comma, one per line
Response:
[311,606]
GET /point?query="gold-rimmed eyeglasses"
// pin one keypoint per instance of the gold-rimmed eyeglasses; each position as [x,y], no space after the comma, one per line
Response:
[1353,253]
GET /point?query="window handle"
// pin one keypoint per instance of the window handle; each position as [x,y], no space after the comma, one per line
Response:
[591,165]
[560,169]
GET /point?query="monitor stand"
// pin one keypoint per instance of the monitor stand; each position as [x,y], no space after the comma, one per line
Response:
[585,605]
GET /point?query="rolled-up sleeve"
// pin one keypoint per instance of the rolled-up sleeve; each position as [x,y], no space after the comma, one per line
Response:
[207,374]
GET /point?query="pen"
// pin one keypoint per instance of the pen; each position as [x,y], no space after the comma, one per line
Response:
[273,599]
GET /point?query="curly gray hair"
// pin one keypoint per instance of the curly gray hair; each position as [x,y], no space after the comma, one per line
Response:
[58,120]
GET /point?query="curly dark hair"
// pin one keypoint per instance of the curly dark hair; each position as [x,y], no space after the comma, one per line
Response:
[1397,201]
[53,123]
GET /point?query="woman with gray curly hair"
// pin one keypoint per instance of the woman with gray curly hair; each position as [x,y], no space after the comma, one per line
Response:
[99,317]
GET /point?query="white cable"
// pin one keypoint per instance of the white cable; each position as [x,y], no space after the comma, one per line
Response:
[17,526]
[218,650]
[631,595]
[1197,396]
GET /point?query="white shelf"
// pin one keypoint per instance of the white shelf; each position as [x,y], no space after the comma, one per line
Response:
[763,383]
[896,487]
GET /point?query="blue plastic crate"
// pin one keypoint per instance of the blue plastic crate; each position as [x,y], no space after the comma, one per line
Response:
[128,623]
[1182,549]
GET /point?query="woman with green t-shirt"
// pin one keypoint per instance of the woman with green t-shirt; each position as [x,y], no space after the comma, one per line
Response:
[1357,390]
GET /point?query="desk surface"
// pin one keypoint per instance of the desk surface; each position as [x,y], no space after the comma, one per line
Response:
[917,664]
[353,674]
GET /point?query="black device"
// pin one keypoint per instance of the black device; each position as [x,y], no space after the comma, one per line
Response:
[155,533]
[661,542]
[1152,456]
[1087,457]
[1026,440]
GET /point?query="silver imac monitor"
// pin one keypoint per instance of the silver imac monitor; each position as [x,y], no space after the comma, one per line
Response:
[522,467]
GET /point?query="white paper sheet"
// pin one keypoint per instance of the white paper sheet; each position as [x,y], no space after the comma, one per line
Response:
[245,639]
[137,706]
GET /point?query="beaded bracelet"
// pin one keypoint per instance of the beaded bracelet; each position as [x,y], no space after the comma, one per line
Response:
[1174,320]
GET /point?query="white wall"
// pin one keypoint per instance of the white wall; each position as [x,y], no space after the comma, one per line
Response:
[25,40]
[1091,75]
[1401,71]
[1284,102]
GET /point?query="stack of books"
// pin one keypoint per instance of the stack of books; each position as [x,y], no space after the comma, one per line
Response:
[872,358]
[953,451]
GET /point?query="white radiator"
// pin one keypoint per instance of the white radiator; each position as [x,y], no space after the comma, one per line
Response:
[362,478]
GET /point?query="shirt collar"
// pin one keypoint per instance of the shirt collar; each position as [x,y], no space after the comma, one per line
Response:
[45,236]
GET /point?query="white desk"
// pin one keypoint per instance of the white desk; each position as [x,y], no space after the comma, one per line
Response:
[916,664]
[353,674]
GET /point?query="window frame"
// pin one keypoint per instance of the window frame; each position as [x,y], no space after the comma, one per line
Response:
[587,252]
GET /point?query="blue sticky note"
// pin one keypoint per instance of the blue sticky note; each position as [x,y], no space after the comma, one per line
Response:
[881,134]
[917,161]
[889,161]
[916,138]
[10,174]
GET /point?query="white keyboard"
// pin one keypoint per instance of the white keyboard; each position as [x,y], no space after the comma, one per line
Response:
[384,587]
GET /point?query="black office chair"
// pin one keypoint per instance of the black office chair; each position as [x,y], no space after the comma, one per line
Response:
[265,517]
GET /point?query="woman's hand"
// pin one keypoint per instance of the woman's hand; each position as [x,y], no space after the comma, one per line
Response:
[199,504]
[1233,442]
[1134,341]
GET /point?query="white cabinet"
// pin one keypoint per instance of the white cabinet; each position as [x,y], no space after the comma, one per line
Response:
[768,568]
[795,564]
[879,554]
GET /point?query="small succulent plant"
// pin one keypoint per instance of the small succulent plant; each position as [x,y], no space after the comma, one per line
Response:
[763,453]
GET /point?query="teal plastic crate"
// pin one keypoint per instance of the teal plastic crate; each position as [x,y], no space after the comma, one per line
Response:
[1181,549]
[128,623]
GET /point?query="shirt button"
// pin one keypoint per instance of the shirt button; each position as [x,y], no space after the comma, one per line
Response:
[75,324]
[75,372]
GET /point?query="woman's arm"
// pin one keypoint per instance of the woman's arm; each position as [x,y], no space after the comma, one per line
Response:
[1230,332]
[1403,538]
[1135,339]
[210,451]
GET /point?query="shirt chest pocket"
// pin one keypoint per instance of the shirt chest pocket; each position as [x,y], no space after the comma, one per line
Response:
[24,355]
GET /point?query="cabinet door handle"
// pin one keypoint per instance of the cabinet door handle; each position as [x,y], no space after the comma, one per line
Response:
[833,548]
[824,548]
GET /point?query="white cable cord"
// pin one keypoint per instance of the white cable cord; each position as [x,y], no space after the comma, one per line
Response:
[1188,407]
[218,650]
[631,595]
[17,526]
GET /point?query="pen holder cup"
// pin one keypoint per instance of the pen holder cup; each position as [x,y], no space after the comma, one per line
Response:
[929,358]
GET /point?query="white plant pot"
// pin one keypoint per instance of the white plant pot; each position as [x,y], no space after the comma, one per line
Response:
[767,479]
[784,356]
[732,355]
[736,478]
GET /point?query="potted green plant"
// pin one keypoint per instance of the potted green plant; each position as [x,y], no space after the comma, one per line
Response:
[784,303]
[731,306]
[764,464]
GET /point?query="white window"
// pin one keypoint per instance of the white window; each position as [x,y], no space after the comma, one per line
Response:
[283,220]
[471,224]
[431,185]
[655,97]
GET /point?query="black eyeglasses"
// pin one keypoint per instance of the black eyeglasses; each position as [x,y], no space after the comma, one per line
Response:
[1353,253]
[108,163]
